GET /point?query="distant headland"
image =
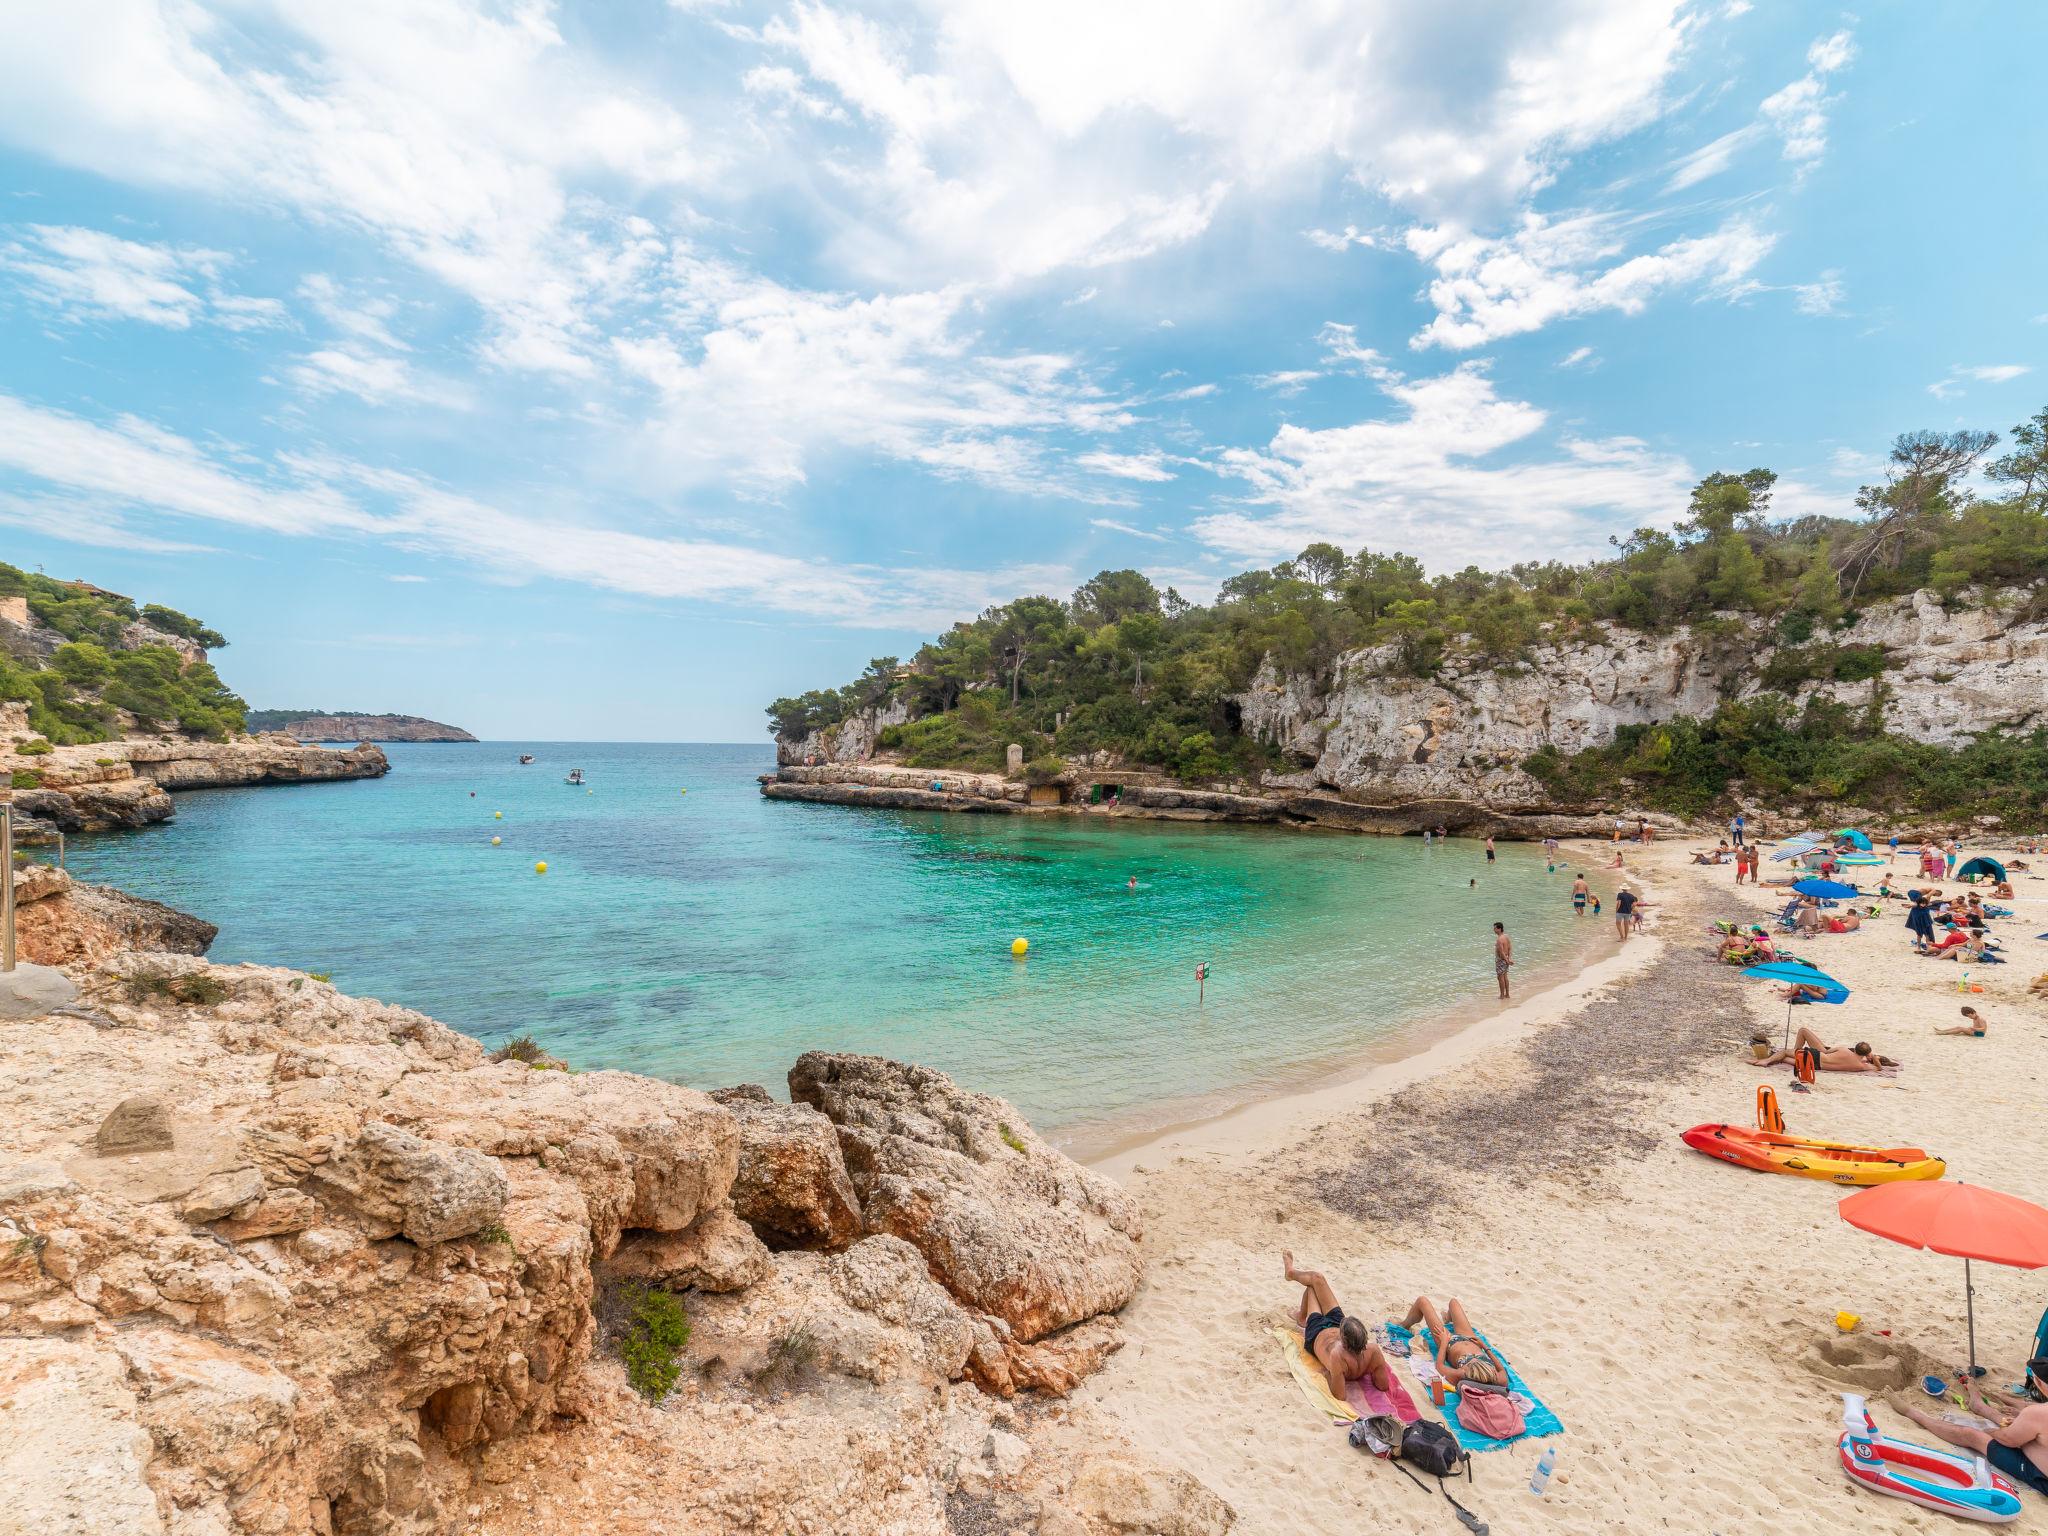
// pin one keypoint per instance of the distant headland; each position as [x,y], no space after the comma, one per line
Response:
[353,725]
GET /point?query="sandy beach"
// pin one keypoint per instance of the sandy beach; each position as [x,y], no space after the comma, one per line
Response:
[1677,1313]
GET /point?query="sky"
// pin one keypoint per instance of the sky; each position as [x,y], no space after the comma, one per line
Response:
[605,371]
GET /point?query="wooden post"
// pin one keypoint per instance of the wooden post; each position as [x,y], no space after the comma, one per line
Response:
[7,889]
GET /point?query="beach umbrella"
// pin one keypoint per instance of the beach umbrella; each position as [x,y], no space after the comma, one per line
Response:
[1834,890]
[1793,851]
[1797,972]
[1854,837]
[1964,1221]
[1862,860]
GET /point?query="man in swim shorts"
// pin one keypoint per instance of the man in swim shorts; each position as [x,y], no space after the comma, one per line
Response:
[1503,957]
[1624,912]
[1579,894]
[1489,850]
[1342,1345]
[1833,1058]
[2018,1447]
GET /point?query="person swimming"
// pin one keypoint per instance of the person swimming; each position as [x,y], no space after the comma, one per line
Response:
[1133,883]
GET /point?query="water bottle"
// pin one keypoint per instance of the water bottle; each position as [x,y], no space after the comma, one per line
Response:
[1545,1465]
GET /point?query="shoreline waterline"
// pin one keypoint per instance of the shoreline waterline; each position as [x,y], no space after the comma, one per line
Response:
[1272,1120]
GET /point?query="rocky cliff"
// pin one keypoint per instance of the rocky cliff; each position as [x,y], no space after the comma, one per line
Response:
[1382,751]
[311,726]
[278,1260]
[109,785]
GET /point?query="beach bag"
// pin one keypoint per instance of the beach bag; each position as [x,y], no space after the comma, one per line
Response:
[1489,1411]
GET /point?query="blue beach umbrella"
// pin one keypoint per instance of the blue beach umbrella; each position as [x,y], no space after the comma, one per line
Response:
[1850,834]
[1800,974]
[1832,889]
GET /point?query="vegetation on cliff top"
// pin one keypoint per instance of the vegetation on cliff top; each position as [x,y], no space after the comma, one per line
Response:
[74,695]
[1124,667]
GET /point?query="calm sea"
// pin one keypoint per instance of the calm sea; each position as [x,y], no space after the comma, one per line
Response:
[688,928]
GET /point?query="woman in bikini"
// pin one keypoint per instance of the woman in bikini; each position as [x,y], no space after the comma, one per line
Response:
[1460,1354]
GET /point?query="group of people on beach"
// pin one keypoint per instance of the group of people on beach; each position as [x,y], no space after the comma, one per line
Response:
[1348,1350]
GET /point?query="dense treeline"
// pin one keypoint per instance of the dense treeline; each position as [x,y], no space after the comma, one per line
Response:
[74,695]
[1125,667]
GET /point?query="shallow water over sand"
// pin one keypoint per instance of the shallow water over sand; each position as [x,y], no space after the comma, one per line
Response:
[712,936]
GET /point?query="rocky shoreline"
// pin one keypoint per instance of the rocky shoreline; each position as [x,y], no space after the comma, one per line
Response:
[1155,797]
[112,785]
[278,1260]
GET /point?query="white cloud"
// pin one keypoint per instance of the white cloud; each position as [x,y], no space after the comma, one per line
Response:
[132,466]
[458,138]
[1127,466]
[1799,112]
[1087,295]
[1823,296]
[1489,288]
[364,317]
[1113,526]
[1288,381]
[1580,357]
[1341,240]
[405,577]
[86,274]
[1711,159]
[1418,480]
[1948,387]
[375,378]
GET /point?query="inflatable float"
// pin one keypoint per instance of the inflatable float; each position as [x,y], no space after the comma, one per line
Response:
[1944,1479]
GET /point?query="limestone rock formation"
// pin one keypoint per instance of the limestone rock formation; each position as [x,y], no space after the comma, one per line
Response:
[791,1186]
[277,1261]
[1009,1225]
[357,727]
[61,921]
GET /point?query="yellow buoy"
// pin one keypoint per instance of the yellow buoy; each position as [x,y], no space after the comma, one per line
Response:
[497,815]
[682,791]
[541,868]
[496,840]
[1020,946]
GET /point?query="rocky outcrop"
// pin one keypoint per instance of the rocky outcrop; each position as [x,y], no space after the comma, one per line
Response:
[366,728]
[110,786]
[1010,1226]
[177,764]
[791,1186]
[278,1260]
[61,921]
[852,740]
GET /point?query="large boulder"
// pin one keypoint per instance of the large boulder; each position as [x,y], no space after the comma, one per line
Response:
[1009,1225]
[647,1155]
[718,1252]
[400,1184]
[61,921]
[791,1186]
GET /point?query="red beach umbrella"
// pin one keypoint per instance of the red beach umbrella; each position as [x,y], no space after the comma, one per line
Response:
[1964,1221]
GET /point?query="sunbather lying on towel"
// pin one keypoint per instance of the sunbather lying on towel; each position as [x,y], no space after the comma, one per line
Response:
[1342,1346]
[1833,1058]
[1460,1355]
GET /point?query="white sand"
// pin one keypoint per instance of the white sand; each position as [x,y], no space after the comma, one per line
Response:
[1673,1318]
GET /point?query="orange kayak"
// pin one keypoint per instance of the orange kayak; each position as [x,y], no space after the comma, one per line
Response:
[1836,1162]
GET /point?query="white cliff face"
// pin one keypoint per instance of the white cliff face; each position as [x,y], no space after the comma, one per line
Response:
[1464,733]
[852,740]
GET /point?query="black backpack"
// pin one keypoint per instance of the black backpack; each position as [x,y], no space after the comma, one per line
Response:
[1436,1450]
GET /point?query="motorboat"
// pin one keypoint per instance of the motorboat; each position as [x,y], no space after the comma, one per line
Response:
[575,776]
[526,757]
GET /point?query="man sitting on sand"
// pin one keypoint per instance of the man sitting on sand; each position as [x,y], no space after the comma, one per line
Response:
[2018,1447]
[1833,1058]
[1342,1345]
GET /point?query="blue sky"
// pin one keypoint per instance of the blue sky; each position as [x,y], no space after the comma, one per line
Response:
[604,371]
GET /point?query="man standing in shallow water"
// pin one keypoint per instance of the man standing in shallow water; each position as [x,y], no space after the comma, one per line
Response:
[1503,957]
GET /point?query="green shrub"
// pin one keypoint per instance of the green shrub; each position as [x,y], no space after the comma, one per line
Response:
[655,1330]
[34,747]
[27,778]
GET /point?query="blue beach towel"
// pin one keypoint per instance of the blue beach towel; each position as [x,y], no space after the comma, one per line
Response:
[1538,1418]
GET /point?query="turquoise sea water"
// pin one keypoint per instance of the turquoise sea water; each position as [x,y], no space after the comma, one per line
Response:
[711,937]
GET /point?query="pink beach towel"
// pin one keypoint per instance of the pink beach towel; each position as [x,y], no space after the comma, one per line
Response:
[1369,1399]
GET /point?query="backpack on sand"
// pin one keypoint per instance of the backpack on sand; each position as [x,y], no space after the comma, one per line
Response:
[1436,1450]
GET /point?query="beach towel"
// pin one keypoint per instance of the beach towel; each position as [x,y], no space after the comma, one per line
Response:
[1535,1414]
[1363,1399]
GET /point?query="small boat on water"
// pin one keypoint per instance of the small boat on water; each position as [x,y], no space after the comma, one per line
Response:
[526,757]
[575,776]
